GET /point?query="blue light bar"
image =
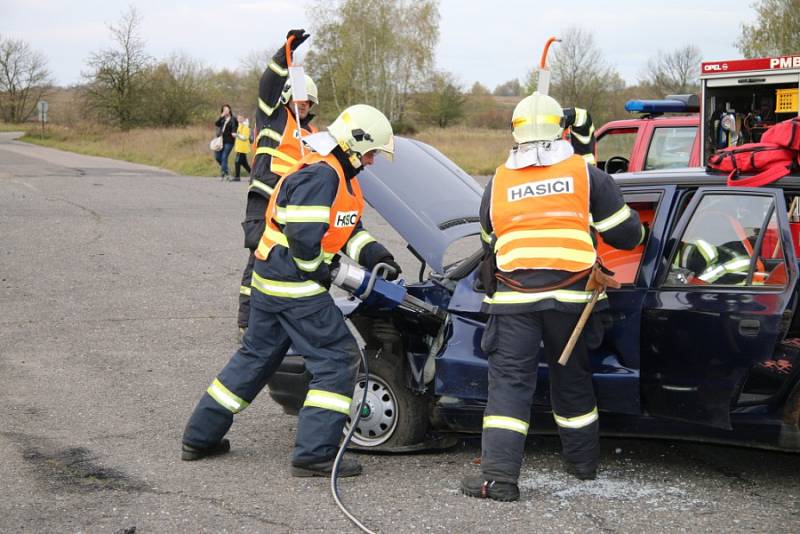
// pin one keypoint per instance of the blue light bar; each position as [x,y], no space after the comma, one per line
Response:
[656,106]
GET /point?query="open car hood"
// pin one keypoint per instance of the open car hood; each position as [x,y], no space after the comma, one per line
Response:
[426,197]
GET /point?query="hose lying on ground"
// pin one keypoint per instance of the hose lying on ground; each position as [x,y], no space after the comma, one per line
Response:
[346,442]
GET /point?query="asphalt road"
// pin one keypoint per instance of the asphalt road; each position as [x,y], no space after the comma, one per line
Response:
[118,288]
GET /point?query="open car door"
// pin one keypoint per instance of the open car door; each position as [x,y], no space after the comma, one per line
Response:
[718,304]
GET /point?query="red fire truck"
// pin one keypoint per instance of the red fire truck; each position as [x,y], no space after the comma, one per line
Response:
[739,100]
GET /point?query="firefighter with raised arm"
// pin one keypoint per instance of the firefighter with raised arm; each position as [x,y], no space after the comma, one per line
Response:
[314,212]
[578,123]
[277,150]
[538,218]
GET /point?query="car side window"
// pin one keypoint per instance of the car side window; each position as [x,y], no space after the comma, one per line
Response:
[670,147]
[719,244]
[616,145]
[626,263]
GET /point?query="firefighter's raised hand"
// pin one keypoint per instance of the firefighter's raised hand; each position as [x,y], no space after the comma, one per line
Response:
[299,37]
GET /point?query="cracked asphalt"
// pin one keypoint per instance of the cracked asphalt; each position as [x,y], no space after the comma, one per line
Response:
[118,290]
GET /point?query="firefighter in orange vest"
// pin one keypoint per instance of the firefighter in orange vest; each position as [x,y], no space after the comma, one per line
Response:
[538,218]
[277,150]
[313,213]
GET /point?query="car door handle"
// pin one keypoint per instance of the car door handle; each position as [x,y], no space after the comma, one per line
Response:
[749,327]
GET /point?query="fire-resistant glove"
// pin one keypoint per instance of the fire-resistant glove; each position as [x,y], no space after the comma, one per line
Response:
[299,37]
[569,117]
[322,276]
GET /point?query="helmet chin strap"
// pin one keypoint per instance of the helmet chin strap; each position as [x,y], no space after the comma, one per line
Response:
[352,157]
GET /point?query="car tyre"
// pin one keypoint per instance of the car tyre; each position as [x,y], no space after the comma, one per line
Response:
[394,416]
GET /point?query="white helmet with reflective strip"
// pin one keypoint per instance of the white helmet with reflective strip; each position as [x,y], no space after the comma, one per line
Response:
[311,91]
[360,129]
[537,118]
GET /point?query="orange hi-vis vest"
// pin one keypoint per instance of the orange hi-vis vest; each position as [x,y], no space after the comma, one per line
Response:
[287,153]
[540,217]
[345,212]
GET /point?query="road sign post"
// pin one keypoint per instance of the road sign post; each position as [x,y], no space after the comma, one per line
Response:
[42,106]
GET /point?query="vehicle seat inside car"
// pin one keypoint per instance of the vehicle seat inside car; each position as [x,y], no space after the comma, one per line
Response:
[625,263]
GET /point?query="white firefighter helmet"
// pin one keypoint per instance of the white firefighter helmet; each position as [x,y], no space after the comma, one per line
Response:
[311,91]
[537,118]
[360,129]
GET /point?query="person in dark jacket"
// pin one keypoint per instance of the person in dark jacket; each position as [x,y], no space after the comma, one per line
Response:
[278,148]
[539,216]
[314,213]
[227,125]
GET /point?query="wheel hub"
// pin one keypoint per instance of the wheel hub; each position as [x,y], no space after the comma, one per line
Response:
[379,414]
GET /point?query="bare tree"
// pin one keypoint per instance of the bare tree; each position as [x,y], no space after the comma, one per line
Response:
[580,75]
[117,76]
[251,67]
[776,32]
[374,52]
[24,79]
[256,61]
[674,72]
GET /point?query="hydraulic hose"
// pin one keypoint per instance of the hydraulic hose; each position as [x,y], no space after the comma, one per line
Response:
[346,441]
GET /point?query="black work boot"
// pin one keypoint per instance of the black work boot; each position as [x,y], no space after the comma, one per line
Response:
[190,453]
[478,486]
[581,473]
[347,468]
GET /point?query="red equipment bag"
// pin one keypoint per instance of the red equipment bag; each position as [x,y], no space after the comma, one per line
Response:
[772,159]
[786,134]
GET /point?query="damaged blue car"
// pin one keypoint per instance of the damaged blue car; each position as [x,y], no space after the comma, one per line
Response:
[679,355]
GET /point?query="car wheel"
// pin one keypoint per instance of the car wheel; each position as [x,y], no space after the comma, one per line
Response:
[393,415]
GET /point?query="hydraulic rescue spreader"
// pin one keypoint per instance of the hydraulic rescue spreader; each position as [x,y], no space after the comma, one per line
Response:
[374,291]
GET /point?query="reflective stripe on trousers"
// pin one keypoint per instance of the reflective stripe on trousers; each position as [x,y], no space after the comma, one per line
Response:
[316,330]
[225,397]
[506,423]
[579,421]
[328,400]
[511,342]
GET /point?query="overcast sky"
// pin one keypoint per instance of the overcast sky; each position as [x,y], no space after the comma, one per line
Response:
[480,40]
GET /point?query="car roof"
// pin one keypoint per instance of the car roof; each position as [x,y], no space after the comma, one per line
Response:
[692,176]
[676,120]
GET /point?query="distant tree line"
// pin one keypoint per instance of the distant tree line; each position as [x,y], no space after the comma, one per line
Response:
[379,52]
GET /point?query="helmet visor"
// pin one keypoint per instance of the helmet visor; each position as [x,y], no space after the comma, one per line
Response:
[387,150]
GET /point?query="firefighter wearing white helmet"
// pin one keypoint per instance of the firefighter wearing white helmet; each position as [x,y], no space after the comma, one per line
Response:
[311,91]
[539,215]
[360,130]
[313,214]
[277,150]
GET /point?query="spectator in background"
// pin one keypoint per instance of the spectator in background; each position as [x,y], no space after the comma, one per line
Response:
[242,147]
[227,125]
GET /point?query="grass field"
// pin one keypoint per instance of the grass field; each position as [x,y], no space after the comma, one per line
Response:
[185,150]
[8,127]
[182,150]
[477,151]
